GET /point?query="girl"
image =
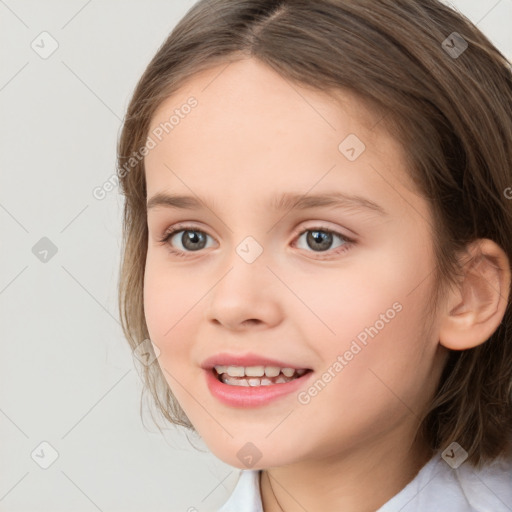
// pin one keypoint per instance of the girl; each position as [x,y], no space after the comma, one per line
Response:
[342,331]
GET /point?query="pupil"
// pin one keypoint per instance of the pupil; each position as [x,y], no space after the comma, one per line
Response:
[315,237]
[193,237]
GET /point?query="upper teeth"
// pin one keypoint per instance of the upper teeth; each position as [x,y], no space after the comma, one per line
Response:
[256,371]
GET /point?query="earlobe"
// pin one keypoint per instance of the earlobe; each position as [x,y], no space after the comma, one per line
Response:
[475,309]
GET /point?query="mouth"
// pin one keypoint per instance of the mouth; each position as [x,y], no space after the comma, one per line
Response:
[251,380]
[256,376]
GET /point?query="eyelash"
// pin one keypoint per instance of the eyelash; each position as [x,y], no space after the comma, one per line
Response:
[183,227]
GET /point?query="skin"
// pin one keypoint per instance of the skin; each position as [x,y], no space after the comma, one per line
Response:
[252,134]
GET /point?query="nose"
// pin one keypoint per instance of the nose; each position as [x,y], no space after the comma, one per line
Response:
[246,295]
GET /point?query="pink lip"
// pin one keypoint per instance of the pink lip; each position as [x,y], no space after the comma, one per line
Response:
[251,396]
[225,359]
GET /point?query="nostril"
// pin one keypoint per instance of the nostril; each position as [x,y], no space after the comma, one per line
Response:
[251,321]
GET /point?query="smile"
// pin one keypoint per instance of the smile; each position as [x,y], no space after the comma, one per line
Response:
[256,375]
[246,390]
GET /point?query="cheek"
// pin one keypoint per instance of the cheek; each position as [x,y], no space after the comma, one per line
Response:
[387,359]
[362,300]
[169,298]
[171,311]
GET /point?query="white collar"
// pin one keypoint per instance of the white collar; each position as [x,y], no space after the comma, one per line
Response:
[436,487]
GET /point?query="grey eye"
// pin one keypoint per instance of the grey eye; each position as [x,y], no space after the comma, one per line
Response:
[320,239]
[191,240]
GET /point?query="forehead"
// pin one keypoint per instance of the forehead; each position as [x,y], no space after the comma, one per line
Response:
[252,126]
[253,75]
[228,87]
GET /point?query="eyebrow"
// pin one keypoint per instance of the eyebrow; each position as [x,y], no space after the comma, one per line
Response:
[285,201]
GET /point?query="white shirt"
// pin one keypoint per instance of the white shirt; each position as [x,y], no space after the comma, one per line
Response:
[436,488]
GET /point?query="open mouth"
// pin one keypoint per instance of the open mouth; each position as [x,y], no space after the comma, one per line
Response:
[257,375]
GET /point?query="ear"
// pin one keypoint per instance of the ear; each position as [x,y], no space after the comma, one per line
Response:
[475,309]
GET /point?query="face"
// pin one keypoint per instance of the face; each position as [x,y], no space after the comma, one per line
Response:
[339,289]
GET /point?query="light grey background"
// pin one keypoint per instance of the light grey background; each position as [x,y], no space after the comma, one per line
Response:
[67,374]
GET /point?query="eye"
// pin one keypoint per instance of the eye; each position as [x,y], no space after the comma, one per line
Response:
[192,239]
[320,240]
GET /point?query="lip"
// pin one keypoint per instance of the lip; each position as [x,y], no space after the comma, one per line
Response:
[248,359]
[251,396]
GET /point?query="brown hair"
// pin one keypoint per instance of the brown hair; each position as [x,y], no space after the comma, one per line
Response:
[451,113]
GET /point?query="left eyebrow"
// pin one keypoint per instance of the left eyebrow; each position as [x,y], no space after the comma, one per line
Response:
[289,201]
[286,201]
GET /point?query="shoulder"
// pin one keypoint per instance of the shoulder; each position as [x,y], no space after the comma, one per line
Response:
[246,496]
[464,488]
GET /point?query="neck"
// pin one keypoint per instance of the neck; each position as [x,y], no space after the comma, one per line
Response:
[360,480]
